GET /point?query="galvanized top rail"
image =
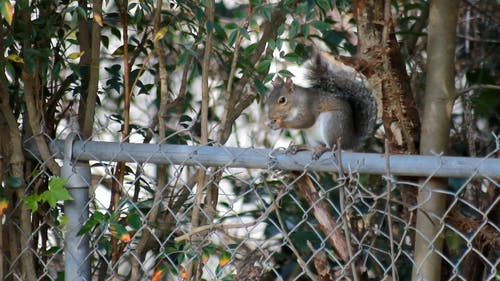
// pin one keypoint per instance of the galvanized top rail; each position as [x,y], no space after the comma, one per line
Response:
[257,158]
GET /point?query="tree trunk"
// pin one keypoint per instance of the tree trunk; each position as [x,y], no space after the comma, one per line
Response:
[438,102]
[379,58]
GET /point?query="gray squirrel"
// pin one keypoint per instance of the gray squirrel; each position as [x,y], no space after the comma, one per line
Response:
[335,106]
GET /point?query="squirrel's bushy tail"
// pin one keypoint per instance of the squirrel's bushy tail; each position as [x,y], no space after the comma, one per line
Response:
[340,84]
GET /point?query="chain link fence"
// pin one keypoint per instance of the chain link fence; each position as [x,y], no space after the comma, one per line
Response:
[218,213]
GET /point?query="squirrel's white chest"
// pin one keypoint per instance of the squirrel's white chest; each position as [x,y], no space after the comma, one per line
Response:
[319,134]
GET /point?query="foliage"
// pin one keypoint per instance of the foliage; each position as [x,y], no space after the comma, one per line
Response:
[46,75]
[56,192]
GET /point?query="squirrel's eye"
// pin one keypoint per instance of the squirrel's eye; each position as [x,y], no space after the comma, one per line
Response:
[282,100]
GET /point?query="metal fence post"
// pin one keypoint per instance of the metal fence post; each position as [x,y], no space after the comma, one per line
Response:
[76,247]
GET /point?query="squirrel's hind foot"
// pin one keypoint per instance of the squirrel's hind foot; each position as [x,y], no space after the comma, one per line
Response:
[317,151]
[320,150]
[294,148]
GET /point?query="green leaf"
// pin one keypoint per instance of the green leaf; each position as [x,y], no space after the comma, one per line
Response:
[301,51]
[303,7]
[134,220]
[15,58]
[232,38]
[324,5]
[231,25]
[306,30]
[271,44]
[94,220]
[280,30]
[285,73]
[32,201]
[292,43]
[249,50]
[116,32]
[263,66]
[118,229]
[224,258]
[219,31]
[105,41]
[57,182]
[321,25]
[7,10]
[279,44]
[57,192]
[161,33]
[267,12]
[244,33]
[454,242]
[294,27]
[239,13]
[260,86]
[64,220]
[334,37]
[209,249]
[75,55]
[292,57]
[311,14]
[268,77]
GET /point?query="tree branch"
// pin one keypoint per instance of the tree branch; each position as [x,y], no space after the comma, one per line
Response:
[95,55]
[323,214]
[236,102]
[390,81]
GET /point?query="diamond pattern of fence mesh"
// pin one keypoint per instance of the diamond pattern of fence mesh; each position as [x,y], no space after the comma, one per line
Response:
[171,221]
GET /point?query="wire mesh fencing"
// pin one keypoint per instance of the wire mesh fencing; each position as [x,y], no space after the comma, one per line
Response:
[179,212]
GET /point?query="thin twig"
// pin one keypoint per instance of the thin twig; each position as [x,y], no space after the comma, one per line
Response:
[223,226]
[479,87]
[126,72]
[195,217]
[119,174]
[141,70]
[158,121]
[230,96]
[204,112]
[239,39]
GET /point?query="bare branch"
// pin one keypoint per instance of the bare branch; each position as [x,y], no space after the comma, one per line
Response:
[95,56]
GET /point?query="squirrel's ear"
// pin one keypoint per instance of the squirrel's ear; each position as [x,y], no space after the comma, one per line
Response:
[289,83]
[277,82]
